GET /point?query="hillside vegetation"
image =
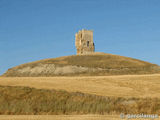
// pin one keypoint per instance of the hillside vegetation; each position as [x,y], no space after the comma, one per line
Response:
[140,86]
[31,101]
[93,64]
[61,117]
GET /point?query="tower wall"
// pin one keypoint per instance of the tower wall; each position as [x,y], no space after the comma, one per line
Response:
[84,42]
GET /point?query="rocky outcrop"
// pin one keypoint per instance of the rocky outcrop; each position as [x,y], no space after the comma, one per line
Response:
[49,70]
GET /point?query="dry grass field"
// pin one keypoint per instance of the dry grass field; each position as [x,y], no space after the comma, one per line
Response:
[119,86]
[59,117]
[132,86]
[63,117]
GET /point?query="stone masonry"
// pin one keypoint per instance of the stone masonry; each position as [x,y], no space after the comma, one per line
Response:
[84,42]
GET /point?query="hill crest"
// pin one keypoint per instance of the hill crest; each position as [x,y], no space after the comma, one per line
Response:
[90,64]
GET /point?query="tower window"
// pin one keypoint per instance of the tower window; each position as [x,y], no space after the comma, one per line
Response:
[87,43]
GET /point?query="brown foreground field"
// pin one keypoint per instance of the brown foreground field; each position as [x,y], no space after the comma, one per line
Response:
[77,97]
[59,117]
[63,117]
[119,86]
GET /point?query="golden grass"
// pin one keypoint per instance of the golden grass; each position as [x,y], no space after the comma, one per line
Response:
[63,117]
[31,101]
[59,117]
[119,86]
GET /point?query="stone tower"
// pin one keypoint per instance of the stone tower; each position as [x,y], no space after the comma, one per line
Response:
[84,42]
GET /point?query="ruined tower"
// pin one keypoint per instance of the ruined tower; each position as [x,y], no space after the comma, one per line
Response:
[84,42]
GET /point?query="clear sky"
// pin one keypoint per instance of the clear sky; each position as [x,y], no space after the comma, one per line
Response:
[37,29]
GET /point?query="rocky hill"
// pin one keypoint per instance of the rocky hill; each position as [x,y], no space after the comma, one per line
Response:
[92,64]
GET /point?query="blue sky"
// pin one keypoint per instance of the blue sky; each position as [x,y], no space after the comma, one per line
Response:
[31,30]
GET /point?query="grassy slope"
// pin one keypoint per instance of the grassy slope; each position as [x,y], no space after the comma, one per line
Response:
[25,100]
[112,95]
[112,64]
[118,86]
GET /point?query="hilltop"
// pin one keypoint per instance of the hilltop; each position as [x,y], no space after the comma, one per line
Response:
[91,64]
